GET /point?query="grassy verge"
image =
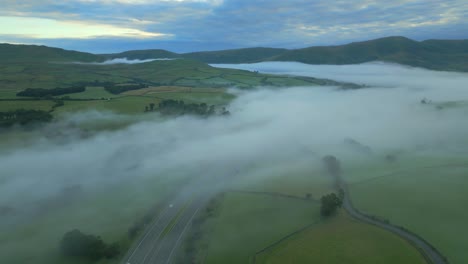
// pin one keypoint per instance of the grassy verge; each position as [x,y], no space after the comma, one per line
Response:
[174,220]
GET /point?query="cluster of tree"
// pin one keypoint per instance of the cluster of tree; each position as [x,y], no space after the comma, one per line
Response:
[178,107]
[41,92]
[150,107]
[329,203]
[23,117]
[115,88]
[76,244]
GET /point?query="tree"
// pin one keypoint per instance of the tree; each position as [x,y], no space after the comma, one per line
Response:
[76,244]
[329,204]
[151,106]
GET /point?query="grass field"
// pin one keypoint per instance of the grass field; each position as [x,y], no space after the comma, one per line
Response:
[131,102]
[342,240]
[247,223]
[427,201]
[296,178]
[33,104]
[120,105]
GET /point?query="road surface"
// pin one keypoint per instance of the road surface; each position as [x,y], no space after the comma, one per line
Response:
[165,234]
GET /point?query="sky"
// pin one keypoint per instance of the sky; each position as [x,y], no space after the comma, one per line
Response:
[104,26]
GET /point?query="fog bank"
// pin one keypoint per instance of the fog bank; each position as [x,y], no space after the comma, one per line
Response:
[266,126]
[122,61]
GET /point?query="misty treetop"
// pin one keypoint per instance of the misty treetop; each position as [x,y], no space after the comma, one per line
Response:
[179,107]
[76,244]
[330,203]
[41,92]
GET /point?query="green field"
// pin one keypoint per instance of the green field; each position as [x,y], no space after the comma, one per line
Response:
[33,104]
[246,223]
[342,240]
[426,200]
[298,178]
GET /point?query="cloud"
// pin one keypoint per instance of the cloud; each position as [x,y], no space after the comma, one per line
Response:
[295,23]
[37,28]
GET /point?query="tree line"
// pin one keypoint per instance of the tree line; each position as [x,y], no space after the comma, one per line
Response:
[179,107]
[113,88]
[41,92]
[23,117]
[76,244]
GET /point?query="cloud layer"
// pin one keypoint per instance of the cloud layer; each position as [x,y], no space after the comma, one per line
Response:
[233,23]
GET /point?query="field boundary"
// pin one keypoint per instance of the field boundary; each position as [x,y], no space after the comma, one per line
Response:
[272,245]
[275,194]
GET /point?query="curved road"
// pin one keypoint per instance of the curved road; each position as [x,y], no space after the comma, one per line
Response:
[428,251]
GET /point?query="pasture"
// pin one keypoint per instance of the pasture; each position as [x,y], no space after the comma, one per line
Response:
[342,239]
[425,200]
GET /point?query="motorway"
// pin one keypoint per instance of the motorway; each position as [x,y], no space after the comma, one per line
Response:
[162,238]
[164,235]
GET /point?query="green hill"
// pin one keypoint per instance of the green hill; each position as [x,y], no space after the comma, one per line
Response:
[448,55]
[432,54]
[28,66]
[33,53]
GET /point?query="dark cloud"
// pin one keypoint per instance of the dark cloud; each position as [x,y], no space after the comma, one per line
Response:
[241,23]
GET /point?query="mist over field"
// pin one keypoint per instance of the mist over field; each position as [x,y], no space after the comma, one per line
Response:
[267,126]
[122,61]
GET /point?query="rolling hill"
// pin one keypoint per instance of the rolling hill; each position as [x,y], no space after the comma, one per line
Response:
[445,55]
[28,66]
[34,53]
[450,55]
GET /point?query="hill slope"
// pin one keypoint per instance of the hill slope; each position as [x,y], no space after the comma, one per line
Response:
[448,55]
[33,53]
[432,54]
[28,66]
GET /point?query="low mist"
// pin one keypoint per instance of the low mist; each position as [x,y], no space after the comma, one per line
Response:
[267,126]
[122,61]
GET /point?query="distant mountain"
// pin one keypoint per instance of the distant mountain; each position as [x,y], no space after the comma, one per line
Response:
[34,53]
[451,55]
[143,54]
[448,55]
